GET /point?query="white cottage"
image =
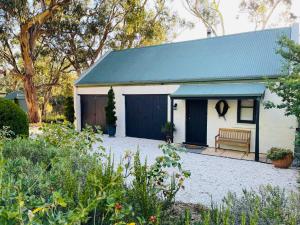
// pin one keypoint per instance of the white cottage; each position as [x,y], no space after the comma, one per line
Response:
[192,84]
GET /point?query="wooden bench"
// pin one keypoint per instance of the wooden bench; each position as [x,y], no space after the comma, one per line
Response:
[235,137]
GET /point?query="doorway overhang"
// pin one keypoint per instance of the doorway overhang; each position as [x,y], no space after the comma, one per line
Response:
[222,91]
[215,91]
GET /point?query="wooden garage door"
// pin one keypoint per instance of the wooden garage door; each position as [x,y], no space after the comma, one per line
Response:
[93,110]
[145,115]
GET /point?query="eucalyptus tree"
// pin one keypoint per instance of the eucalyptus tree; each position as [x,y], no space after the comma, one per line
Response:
[22,24]
[44,41]
[53,74]
[208,12]
[86,31]
[260,12]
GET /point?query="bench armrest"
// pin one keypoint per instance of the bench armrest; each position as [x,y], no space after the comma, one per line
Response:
[217,136]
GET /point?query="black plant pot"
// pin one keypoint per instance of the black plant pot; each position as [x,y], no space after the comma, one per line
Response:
[168,138]
[111,130]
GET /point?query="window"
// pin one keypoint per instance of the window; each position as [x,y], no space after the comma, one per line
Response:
[246,111]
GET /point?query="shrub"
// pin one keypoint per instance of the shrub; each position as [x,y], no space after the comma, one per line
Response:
[69,109]
[12,116]
[58,178]
[110,109]
[142,194]
[167,129]
[268,205]
[278,153]
[53,119]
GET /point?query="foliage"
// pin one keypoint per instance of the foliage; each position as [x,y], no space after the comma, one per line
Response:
[54,77]
[268,205]
[22,34]
[167,185]
[110,109]
[86,31]
[143,195]
[12,116]
[67,37]
[288,85]
[6,133]
[208,12]
[57,103]
[53,119]
[153,190]
[278,153]
[167,128]
[69,109]
[60,178]
[260,11]
[64,136]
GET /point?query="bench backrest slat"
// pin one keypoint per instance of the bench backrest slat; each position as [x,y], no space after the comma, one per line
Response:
[238,134]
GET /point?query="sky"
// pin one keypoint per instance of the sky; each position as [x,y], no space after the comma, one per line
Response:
[230,11]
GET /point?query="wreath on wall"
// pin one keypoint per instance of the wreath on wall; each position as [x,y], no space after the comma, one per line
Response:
[222,108]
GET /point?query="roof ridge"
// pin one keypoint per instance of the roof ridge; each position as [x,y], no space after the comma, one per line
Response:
[200,39]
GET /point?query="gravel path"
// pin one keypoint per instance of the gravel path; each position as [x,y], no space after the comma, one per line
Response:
[212,177]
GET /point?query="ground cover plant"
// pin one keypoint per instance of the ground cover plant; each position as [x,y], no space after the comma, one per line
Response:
[269,205]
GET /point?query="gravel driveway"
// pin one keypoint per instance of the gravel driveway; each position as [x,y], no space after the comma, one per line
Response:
[211,177]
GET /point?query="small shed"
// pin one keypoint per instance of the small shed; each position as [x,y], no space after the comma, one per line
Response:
[19,98]
[2,94]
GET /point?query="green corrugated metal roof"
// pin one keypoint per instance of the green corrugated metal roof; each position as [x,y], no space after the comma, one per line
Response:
[241,56]
[15,95]
[19,98]
[220,90]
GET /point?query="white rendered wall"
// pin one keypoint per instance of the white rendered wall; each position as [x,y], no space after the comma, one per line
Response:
[276,129]
[120,91]
[214,122]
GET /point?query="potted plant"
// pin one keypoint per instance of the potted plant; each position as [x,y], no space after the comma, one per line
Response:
[281,158]
[110,111]
[167,131]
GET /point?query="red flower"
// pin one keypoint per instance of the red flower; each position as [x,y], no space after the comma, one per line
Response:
[152,219]
[118,206]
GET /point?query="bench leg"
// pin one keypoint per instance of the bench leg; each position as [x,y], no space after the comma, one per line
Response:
[248,149]
[216,146]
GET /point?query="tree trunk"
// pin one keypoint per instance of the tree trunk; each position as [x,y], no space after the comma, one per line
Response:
[45,102]
[29,88]
[31,100]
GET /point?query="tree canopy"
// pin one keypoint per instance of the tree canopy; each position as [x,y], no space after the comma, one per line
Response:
[209,13]
[22,26]
[260,11]
[45,42]
[288,85]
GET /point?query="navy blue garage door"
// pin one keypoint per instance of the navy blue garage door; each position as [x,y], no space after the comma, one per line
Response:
[145,115]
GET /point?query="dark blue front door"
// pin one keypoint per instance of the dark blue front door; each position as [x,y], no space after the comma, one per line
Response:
[196,122]
[145,115]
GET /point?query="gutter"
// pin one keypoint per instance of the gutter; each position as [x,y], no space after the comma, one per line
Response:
[170,82]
